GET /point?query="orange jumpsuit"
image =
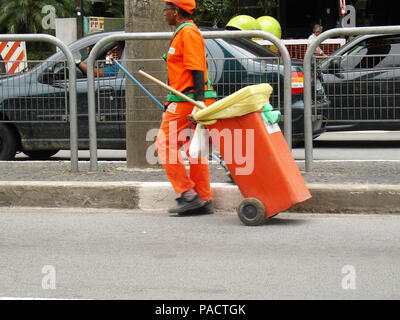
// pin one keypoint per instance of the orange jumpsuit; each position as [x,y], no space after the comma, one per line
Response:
[186,53]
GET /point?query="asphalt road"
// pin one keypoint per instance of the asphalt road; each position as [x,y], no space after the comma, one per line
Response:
[105,254]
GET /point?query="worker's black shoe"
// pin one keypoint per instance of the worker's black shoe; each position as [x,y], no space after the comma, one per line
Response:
[185,204]
[206,209]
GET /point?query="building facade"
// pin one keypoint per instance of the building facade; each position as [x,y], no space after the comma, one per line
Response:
[298,17]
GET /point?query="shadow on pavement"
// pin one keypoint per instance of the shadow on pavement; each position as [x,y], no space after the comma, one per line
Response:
[284,221]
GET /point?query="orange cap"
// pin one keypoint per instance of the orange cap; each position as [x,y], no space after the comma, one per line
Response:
[187,5]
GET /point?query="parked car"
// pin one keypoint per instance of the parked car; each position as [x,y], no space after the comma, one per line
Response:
[246,62]
[362,81]
[41,92]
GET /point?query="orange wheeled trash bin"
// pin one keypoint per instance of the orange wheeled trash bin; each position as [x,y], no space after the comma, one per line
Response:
[260,163]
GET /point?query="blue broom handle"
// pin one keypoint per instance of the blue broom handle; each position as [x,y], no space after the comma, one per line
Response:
[158,103]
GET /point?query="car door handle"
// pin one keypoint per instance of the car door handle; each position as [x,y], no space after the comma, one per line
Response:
[106,91]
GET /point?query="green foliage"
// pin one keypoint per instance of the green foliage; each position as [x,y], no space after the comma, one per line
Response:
[110,8]
[219,12]
[116,9]
[268,6]
[25,16]
[212,12]
[38,54]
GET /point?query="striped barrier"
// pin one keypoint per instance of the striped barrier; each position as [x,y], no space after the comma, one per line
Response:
[13,53]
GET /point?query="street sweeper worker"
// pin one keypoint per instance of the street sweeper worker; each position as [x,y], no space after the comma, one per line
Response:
[187,73]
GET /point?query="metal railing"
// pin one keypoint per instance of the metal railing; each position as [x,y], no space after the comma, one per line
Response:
[361,88]
[297,47]
[40,111]
[287,98]
[36,95]
[226,74]
[308,135]
[110,92]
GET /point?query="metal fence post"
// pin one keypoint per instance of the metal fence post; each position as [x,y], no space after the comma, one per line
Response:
[165,36]
[308,139]
[72,85]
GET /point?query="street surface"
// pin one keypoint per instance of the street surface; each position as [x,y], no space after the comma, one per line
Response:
[111,254]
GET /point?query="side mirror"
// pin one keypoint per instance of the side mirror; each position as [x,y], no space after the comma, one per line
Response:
[47,76]
[334,65]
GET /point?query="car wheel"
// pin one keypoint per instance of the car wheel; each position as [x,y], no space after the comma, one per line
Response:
[297,143]
[8,142]
[40,154]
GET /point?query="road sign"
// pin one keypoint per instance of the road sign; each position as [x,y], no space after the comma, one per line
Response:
[14,55]
[96,24]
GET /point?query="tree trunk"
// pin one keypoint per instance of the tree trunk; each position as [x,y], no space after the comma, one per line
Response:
[143,116]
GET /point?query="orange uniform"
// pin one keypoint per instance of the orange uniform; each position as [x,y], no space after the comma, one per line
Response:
[186,53]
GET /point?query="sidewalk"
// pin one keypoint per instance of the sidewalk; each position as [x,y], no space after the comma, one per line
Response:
[336,186]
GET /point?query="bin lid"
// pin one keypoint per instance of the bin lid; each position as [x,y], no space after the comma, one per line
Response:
[246,100]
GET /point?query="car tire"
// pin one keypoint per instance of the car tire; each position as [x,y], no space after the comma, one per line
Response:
[40,154]
[297,143]
[8,142]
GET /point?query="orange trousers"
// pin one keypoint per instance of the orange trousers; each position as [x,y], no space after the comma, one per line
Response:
[172,134]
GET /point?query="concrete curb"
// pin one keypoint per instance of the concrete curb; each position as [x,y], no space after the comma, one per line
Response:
[333,198]
[69,194]
[158,196]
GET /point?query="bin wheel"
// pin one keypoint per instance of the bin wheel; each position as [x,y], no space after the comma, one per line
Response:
[251,212]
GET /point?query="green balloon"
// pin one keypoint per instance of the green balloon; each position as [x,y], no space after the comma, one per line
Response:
[271,25]
[243,22]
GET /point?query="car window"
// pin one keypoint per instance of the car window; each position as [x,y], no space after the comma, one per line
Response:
[251,48]
[373,53]
[239,48]
[393,60]
[214,65]
[59,68]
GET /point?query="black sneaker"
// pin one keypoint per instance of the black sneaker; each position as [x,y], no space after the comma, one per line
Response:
[206,209]
[185,205]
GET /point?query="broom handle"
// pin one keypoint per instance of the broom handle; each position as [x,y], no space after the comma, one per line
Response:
[162,84]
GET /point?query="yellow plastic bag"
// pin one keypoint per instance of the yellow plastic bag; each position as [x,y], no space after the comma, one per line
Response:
[246,100]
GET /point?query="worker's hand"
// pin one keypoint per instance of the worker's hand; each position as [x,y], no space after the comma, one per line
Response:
[194,111]
[202,104]
[197,108]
